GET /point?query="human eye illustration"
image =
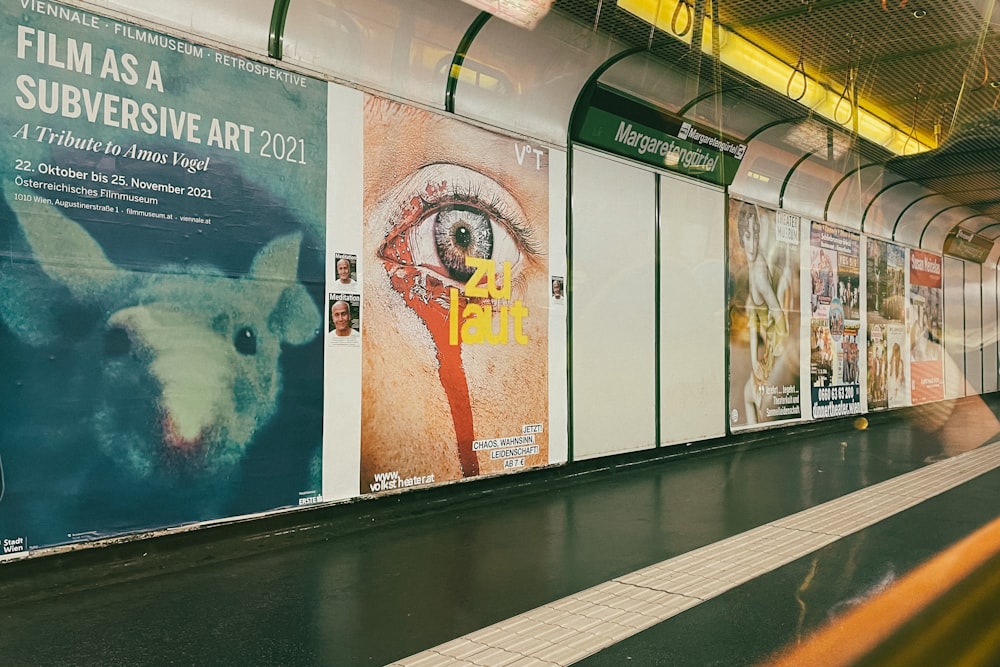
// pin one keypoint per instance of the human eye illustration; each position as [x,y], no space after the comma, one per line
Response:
[444,213]
[458,248]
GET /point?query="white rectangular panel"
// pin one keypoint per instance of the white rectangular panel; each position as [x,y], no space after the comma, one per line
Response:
[974,327]
[240,23]
[558,426]
[612,301]
[990,357]
[692,316]
[954,328]
[342,363]
[404,47]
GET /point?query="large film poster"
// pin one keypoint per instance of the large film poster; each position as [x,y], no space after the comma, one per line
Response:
[764,315]
[924,321]
[835,321]
[888,348]
[161,280]
[454,364]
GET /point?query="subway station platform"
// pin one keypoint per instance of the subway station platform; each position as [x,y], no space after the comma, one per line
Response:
[719,556]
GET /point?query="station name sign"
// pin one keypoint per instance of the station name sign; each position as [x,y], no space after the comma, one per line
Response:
[966,245]
[637,131]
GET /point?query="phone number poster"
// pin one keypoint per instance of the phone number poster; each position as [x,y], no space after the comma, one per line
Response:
[764,315]
[924,324]
[456,290]
[835,303]
[162,244]
[888,350]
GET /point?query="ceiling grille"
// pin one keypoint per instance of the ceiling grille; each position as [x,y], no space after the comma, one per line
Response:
[930,67]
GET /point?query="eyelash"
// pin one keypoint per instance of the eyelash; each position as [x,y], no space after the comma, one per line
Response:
[430,194]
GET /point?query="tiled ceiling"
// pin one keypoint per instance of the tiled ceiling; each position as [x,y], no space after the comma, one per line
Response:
[931,66]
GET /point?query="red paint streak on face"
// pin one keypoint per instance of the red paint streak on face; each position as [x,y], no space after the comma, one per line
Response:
[429,300]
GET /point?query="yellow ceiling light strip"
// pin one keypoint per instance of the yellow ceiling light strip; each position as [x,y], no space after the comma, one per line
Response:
[746,57]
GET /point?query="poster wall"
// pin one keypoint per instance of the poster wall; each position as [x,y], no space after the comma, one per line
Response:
[764,319]
[888,347]
[162,289]
[924,324]
[835,321]
[455,303]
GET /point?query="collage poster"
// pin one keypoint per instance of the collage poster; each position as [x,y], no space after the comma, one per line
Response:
[454,366]
[888,348]
[161,301]
[764,319]
[835,321]
[924,323]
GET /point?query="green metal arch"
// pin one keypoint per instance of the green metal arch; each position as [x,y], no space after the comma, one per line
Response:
[907,208]
[585,92]
[973,217]
[841,181]
[923,231]
[788,177]
[587,88]
[459,59]
[276,35]
[767,126]
[878,194]
[931,219]
[708,94]
[994,224]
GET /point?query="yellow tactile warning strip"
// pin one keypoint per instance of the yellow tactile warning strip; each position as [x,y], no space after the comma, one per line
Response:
[570,629]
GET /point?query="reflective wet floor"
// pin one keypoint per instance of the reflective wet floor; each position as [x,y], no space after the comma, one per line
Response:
[382,582]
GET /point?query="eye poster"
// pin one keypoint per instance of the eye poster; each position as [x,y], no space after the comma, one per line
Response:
[924,320]
[162,244]
[835,320]
[455,300]
[764,316]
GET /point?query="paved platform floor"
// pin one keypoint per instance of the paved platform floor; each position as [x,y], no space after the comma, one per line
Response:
[718,558]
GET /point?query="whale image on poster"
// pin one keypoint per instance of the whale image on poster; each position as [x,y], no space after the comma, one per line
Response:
[161,289]
[456,298]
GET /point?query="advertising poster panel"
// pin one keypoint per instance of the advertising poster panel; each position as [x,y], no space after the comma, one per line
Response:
[764,317]
[835,321]
[924,325]
[888,349]
[456,298]
[162,244]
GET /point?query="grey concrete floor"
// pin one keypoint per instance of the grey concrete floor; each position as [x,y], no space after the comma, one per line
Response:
[404,574]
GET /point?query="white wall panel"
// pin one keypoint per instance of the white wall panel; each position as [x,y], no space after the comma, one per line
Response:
[403,47]
[612,298]
[692,314]
[643,76]
[558,436]
[545,69]
[974,327]
[342,364]
[990,351]
[241,23]
[954,328]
